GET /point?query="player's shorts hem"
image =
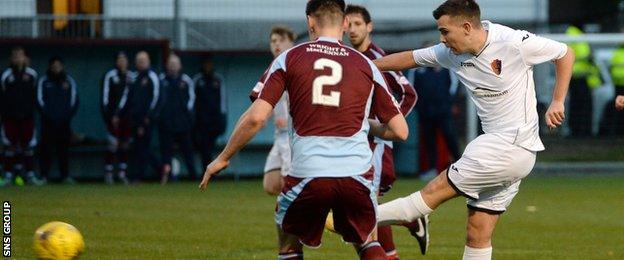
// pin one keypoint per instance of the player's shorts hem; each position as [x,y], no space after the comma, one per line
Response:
[274,169]
[448,178]
[489,211]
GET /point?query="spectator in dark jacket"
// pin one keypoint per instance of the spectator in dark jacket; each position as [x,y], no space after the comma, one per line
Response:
[143,111]
[436,90]
[176,116]
[210,109]
[18,95]
[57,98]
[114,100]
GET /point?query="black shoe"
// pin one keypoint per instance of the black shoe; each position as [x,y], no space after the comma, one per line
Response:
[420,230]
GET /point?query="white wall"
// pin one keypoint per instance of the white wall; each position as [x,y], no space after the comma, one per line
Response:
[288,10]
[17,8]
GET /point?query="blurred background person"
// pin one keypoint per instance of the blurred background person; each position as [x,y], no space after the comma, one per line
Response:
[585,78]
[114,99]
[210,109]
[18,97]
[143,111]
[57,98]
[277,163]
[619,102]
[612,123]
[436,88]
[176,116]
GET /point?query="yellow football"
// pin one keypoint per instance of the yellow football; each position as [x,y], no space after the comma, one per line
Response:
[58,240]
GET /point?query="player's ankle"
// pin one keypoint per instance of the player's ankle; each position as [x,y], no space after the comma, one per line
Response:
[472,253]
[372,251]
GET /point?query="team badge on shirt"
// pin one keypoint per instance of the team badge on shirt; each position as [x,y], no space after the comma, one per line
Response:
[497,66]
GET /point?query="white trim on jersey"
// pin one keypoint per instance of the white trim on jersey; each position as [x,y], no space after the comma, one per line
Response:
[32,72]
[156,92]
[223,93]
[74,90]
[191,91]
[106,89]
[5,75]
[40,90]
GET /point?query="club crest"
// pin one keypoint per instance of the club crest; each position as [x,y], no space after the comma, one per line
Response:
[497,66]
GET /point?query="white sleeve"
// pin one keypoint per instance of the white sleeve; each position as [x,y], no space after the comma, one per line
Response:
[428,57]
[535,49]
[281,108]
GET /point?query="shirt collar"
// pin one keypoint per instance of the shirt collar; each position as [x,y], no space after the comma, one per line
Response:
[328,39]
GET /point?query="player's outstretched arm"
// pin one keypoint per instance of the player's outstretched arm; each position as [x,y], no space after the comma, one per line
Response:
[396,62]
[395,130]
[248,125]
[556,111]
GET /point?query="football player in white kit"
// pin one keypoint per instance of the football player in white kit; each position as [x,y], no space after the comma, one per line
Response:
[278,161]
[495,63]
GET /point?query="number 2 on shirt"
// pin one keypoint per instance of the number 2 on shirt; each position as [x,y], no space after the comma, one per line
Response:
[318,98]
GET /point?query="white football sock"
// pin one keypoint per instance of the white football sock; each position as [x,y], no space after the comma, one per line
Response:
[477,253]
[403,210]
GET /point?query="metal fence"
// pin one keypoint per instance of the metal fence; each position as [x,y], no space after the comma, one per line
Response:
[230,25]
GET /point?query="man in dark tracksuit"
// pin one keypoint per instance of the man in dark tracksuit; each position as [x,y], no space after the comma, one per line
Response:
[434,107]
[114,99]
[18,97]
[57,98]
[210,109]
[143,110]
[176,116]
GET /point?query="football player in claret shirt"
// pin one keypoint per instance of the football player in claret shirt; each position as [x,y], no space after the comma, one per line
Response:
[495,64]
[331,88]
[360,29]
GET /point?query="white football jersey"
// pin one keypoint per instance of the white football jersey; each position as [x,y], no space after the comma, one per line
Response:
[499,80]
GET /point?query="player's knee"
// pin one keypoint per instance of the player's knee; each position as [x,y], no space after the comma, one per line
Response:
[438,191]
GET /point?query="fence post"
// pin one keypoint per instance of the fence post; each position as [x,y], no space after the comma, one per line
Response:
[34,27]
[179,26]
[92,27]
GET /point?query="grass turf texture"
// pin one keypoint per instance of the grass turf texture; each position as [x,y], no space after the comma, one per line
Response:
[551,218]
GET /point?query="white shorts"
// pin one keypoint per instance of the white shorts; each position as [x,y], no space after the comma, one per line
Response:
[489,173]
[279,156]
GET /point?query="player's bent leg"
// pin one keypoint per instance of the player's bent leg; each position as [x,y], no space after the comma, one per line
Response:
[272,182]
[371,250]
[479,232]
[416,205]
[385,238]
[289,246]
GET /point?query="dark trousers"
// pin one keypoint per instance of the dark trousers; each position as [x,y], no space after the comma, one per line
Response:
[167,139]
[207,137]
[580,121]
[429,125]
[55,138]
[144,154]
[612,123]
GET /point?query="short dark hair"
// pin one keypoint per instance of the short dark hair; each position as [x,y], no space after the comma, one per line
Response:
[466,8]
[326,11]
[18,49]
[284,31]
[361,10]
[55,58]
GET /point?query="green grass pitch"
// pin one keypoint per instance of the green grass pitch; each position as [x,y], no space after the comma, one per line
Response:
[551,218]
